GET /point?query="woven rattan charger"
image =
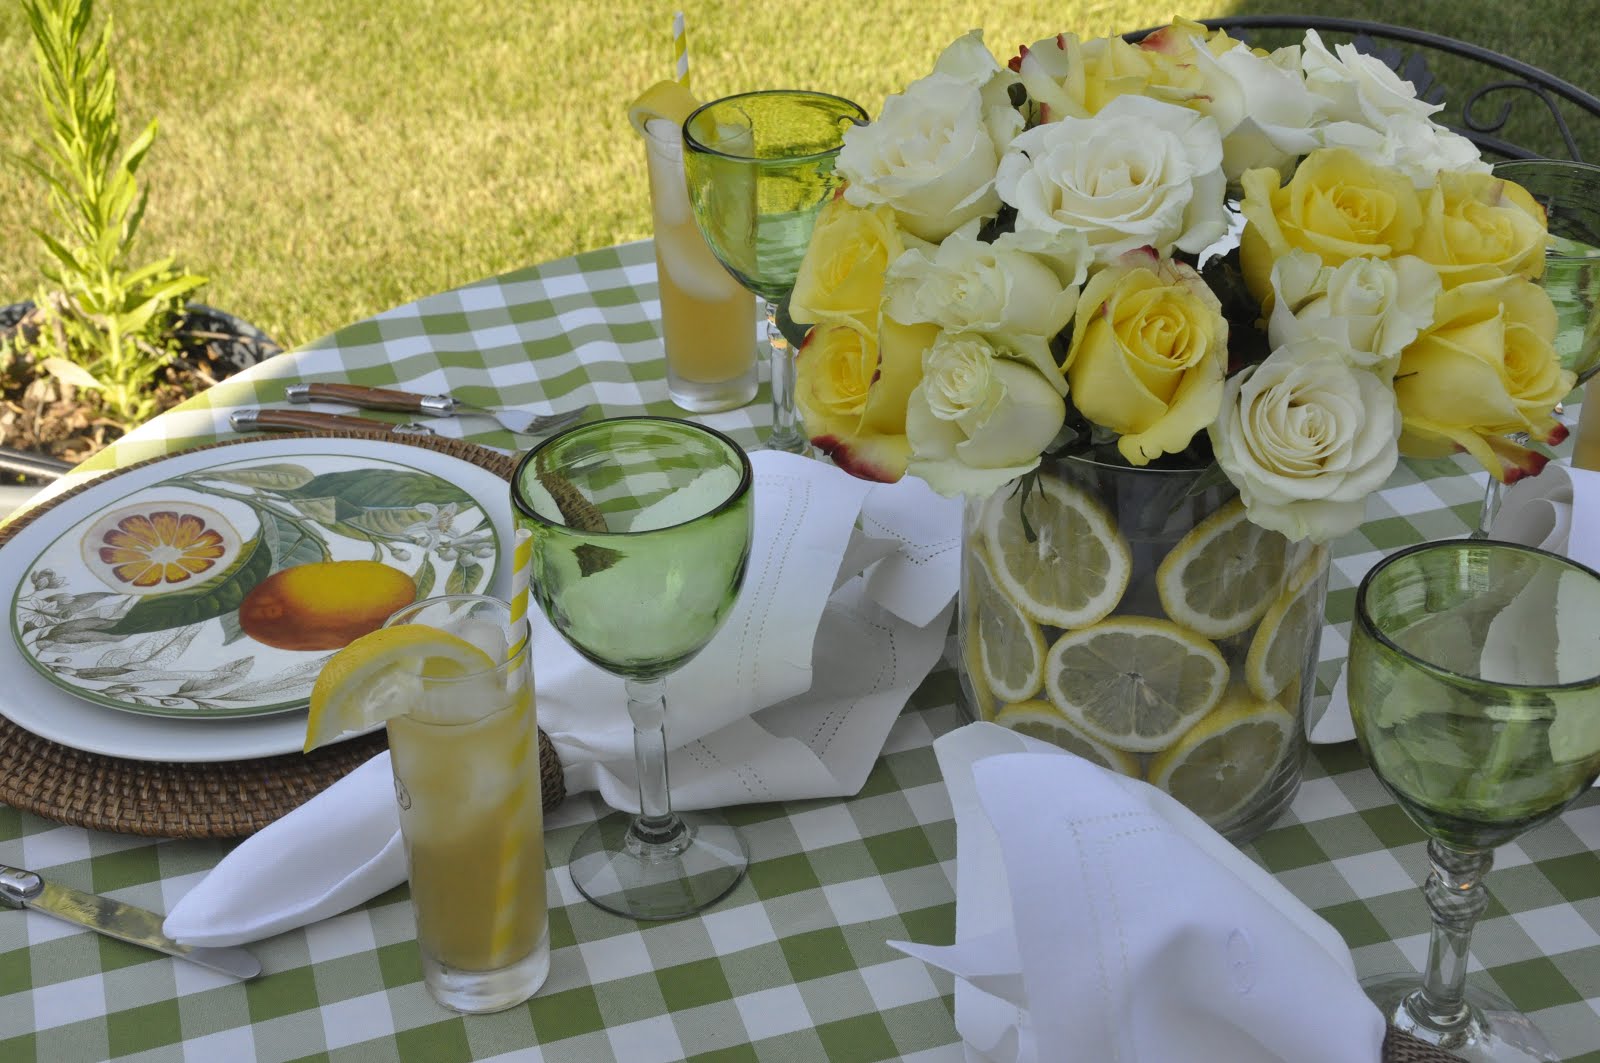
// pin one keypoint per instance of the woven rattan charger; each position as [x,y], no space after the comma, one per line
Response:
[228,799]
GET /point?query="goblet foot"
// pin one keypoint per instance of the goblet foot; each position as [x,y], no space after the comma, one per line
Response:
[1492,1031]
[626,873]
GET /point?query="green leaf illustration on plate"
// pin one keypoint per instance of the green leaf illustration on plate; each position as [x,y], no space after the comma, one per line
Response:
[281,477]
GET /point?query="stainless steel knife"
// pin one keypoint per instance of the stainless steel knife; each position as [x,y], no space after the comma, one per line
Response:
[138,926]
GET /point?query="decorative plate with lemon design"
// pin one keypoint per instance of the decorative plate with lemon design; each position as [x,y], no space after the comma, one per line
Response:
[220,590]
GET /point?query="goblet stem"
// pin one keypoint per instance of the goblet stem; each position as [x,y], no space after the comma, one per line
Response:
[1489,510]
[786,433]
[1456,898]
[656,824]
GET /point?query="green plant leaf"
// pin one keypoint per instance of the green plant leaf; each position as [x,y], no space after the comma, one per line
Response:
[70,373]
[159,612]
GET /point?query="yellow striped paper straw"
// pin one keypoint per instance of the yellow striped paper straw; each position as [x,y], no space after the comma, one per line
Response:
[521,580]
[680,50]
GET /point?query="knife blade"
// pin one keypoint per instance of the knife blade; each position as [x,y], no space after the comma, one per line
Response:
[250,420]
[113,918]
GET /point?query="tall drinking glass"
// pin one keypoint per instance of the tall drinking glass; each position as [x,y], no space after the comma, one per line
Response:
[760,166]
[641,535]
[465,756]
[1570,194]
[708,320]
[1475,689]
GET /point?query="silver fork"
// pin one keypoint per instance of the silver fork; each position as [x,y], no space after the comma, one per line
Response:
[517,421]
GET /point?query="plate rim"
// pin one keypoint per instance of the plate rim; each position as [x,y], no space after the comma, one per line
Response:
[95,698]
[222,739]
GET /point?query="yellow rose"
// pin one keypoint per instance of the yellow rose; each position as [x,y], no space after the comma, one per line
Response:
[1068,78]
[1148,355]
[1337,206]
[842,272]
[851,388]
[1484,369]
[1477,226]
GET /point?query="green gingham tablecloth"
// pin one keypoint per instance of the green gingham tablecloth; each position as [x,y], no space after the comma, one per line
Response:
[792,965]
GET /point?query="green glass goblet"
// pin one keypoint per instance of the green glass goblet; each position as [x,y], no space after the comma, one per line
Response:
[760,166]
[641,536]
[1569,192]
[1475,689]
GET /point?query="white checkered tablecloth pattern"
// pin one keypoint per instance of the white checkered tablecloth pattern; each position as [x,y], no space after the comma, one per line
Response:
[793,965]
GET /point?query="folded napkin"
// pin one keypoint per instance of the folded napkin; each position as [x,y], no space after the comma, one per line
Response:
[1558,510]
[844,611]
[1099,919]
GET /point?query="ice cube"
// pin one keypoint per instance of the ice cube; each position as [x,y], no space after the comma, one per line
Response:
[694,271]
[487,635]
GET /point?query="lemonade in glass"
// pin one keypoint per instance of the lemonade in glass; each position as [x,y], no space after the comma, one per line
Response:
[708,320]
[451,676]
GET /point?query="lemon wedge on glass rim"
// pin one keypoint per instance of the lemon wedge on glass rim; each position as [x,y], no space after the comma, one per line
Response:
[375,678]
[667,100]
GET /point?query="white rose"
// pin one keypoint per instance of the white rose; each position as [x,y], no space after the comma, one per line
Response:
[1358,88]
[1001,289]
[978,419]
[1369,108]
[1417,147]
[1261,105]
[1306,437]
[1140,173]
[930,156]
[969,59]
[1371,307]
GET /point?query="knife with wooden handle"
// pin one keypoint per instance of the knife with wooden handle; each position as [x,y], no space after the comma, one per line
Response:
[125,922]
[251,420]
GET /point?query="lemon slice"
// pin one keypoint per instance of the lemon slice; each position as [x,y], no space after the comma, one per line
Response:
[1010,646]
[1277,651]
[664,99]
[1223,575]
[983,697]
[1056,552]
[1133,682]
[1222,763]
[1042,720]
[375,678]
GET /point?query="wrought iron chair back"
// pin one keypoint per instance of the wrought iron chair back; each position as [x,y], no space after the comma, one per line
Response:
[1486,111]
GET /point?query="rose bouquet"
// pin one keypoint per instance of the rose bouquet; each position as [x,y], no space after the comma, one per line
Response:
[1167,314]
[1017,265]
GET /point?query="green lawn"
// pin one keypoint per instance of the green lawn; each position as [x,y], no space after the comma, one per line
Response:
[322,160]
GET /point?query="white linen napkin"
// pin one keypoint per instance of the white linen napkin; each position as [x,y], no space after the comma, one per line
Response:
[752,718]
[1558,510]
[1097,918]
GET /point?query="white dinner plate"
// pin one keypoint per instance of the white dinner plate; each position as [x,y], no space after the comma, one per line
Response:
[36,703]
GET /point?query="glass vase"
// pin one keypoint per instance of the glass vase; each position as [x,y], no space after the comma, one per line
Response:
[1135,617]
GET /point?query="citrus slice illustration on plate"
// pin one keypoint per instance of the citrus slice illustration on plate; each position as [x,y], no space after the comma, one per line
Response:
[159,546]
